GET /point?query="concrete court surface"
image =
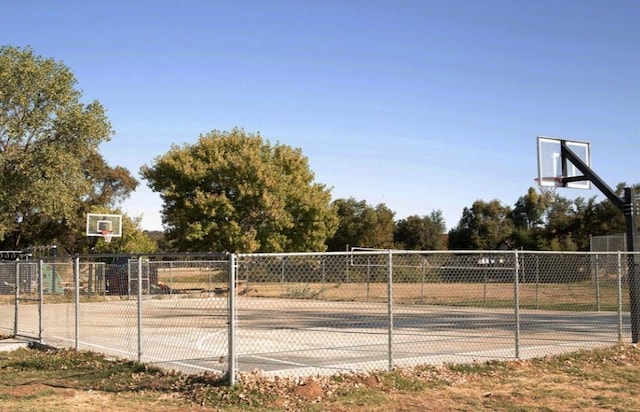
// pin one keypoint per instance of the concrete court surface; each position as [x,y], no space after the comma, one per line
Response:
[289,337]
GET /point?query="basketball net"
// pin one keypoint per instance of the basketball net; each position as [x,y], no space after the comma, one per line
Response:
[107,235]
[549,191]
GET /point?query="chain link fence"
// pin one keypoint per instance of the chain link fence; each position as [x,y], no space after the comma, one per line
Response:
[610,243]
[319,313]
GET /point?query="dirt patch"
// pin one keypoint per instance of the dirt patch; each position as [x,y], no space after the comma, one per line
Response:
[309,390]
[35,389]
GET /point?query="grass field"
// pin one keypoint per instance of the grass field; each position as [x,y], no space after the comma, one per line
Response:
[584,295]
[599,380]
[577,296]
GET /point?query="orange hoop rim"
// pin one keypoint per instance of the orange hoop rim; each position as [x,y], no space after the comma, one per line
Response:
[555,179]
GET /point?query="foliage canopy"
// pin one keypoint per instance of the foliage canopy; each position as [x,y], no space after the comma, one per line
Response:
[420,233]
[362,225]
[51,170]
[486,225]
[234,191]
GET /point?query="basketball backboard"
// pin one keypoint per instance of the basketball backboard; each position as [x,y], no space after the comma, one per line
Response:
[553,166]
[100,224]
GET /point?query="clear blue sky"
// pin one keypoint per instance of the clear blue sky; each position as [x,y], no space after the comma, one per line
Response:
[420,105]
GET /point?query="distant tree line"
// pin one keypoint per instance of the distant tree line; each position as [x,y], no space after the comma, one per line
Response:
[537,222]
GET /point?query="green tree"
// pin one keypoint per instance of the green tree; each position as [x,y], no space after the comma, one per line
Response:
[158,237]
[362,225]
[587,222]
[109,186]
[529,218]
[611,220]
[529,210]
[486,225]
[561,223]
[47,140]
[380,228]
[420,233]
[233,191]
[573,223]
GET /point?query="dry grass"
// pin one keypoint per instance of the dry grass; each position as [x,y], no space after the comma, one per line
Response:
[600,380]
[561,296]
[579,296]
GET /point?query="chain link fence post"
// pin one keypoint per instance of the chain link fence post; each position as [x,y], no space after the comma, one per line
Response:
[619,297]
[516,303]
[231,332]
[390,305]
[139,299]
[40,299]
[597,278]
[283,261]
[537,282]
[16,293]
[76,302]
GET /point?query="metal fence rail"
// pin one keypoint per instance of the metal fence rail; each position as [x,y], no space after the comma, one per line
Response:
[310,313]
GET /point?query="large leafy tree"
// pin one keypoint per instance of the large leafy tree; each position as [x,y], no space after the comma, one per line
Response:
[420,233]
[234,191]
[48,149]
[362,225]
[559,231]
[109,186]
[529,210]
[529,217]
[486,225]
[380,227]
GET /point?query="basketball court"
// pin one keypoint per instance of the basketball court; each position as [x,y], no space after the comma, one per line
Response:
[191,335]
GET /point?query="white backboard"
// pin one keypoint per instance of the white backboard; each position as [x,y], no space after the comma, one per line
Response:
[550,162]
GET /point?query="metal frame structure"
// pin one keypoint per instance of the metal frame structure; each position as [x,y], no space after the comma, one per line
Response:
[626,204]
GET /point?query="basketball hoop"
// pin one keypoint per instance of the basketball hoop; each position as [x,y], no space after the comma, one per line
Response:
[107,235]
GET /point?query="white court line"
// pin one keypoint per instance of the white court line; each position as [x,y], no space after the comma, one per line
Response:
[92,345]
[434,359]
[278,361]
[189,365]
[200,343]
[152,358]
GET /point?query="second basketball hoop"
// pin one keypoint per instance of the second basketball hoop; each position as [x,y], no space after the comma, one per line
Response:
[102,225]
